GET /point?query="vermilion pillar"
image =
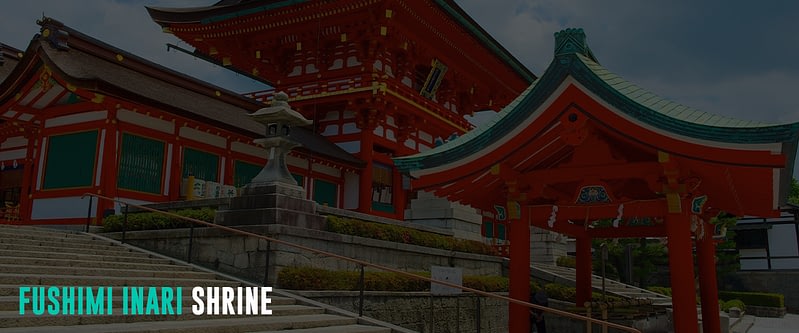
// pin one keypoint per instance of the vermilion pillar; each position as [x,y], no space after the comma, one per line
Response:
[519,315]
[681,269]
[708,287]
[583,248]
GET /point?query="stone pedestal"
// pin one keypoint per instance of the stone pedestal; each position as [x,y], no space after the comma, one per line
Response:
[432,211]
[546,246]
[272,203]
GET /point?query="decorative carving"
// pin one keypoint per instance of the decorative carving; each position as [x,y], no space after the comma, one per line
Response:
[593,194]
[698,203]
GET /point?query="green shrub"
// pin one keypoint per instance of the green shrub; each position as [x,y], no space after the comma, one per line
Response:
[733,303]
[755,298]
[567,261]
[660,290]
[399,234]
[151,221]
[486,283]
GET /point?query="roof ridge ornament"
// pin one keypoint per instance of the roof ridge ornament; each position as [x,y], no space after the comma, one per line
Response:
[51,30]
[572,41]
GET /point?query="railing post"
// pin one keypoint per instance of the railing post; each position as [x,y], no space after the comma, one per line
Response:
[266,262]
[362,287]
[588,324]
[89,213]
[124,224]
[191,241]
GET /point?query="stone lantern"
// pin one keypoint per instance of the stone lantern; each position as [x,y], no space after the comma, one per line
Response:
[278,120]
[273,196]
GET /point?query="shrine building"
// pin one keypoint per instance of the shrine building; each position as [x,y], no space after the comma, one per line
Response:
[585,153]
[400,79]
[379,79]
[79,115]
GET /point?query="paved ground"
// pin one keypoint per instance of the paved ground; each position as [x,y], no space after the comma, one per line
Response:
[787,324]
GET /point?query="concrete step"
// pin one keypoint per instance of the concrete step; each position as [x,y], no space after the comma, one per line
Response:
[48,248]
[119,257]
[37,257]
[14,319]
[232,325]
[45,262]
[72,280]
[613,287]
[65,243]
[336,329]
[11,303]
[107,272]
[40,232]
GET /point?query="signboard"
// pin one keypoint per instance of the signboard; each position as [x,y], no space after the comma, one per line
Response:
[452,275]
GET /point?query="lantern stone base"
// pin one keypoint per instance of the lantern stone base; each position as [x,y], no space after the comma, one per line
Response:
[271,203]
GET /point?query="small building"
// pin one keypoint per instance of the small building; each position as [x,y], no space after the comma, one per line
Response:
[769,244]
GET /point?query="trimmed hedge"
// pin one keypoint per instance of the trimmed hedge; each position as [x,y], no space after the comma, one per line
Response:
[666,291]
[754,298]
[733,303]
[307,278]
[152,221]
[399,234]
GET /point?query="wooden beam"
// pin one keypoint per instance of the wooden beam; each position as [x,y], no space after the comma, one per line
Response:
[641,170]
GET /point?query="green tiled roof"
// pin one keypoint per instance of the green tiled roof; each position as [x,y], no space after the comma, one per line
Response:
[574,59]
[661,105]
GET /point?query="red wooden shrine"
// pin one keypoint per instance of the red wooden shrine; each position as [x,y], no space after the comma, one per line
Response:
[379,78]
[78,115]
[582,145]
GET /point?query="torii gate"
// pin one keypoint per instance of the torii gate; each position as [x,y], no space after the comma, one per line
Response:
[582,144]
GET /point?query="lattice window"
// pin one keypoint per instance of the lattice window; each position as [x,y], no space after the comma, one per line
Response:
[201,165]
[70,160]
[141,164]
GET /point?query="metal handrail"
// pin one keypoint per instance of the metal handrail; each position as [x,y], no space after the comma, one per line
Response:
[376,266]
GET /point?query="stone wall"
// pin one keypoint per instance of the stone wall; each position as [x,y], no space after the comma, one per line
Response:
[454,314]
[546,246]
[244,256]
[420,312]
[782,282]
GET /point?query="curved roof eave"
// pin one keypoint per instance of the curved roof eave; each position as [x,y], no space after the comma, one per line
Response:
[655,111]
[226,10]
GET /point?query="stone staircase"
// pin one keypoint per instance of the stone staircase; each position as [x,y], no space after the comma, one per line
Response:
[40,257]
[567,276]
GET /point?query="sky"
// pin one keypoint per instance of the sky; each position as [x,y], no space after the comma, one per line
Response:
[733,58]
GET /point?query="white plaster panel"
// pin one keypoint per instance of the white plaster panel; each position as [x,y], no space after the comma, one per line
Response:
[200,136]
[75,118]
[330,171]
[145,121]
[350,128]
[62,208]
[16,154]
[296,161]
[17,141]
[251,150]
[351,188]
[48,97]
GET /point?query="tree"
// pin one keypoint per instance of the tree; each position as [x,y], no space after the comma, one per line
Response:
[793,195]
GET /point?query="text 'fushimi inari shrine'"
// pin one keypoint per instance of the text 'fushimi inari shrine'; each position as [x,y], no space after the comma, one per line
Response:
[581,144]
